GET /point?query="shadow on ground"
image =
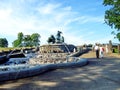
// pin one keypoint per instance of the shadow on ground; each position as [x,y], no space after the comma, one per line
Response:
[99,74]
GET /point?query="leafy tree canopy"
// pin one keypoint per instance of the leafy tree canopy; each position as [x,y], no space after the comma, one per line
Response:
[112,16]
[3,42]
[19,40]
[27,40]
[20,36]
[35,39]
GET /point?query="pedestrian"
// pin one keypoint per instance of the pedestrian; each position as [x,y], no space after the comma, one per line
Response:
[97,50]
[101,51]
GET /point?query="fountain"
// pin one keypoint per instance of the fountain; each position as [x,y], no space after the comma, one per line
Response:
[5,58]
[52,56]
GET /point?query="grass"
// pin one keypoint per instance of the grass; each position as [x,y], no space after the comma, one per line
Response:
[115,50]
[12,48]
[6,49]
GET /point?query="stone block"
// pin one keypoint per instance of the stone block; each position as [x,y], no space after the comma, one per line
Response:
[4,76]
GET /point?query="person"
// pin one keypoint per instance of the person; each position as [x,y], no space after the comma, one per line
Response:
[101,51]
[97,50]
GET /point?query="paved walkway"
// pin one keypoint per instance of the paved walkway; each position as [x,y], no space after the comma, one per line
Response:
[99,74]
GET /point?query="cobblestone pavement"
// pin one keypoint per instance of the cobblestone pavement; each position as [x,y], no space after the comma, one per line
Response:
[99,74]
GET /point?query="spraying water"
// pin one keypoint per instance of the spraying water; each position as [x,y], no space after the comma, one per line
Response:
[66,47]
[14,50]
[4,59]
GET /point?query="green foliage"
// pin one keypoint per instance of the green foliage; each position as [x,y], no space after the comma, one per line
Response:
[35,39]
[112,16]
[28,40]
[20,36]
[16,43]
[108,2]
[19,40]
[115,50]
[3,42]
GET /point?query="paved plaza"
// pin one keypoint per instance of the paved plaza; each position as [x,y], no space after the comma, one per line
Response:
[99,74]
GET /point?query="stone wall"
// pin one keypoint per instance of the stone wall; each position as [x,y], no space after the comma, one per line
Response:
[57,48]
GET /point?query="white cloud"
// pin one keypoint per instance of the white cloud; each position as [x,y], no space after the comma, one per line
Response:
[88,19]
[45,18]
[84,20]
[48,8]
[5,13]
[95,19]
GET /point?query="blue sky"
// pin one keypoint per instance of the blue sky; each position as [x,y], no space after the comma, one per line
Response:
[81,21]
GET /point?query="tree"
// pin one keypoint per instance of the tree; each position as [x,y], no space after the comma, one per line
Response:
[112,16]
[27,40]
[20,37]
[18,41]
[3,42]
[35,39]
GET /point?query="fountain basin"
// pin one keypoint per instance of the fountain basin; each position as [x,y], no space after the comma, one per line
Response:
[27,69]
[32,70]
[4,59]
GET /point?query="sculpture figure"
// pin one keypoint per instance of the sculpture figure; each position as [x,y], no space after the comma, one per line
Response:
[58,37]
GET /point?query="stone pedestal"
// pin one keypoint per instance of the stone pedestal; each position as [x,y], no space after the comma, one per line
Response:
[57,48]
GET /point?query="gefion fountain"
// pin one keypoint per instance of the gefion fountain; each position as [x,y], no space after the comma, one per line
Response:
[51,56]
